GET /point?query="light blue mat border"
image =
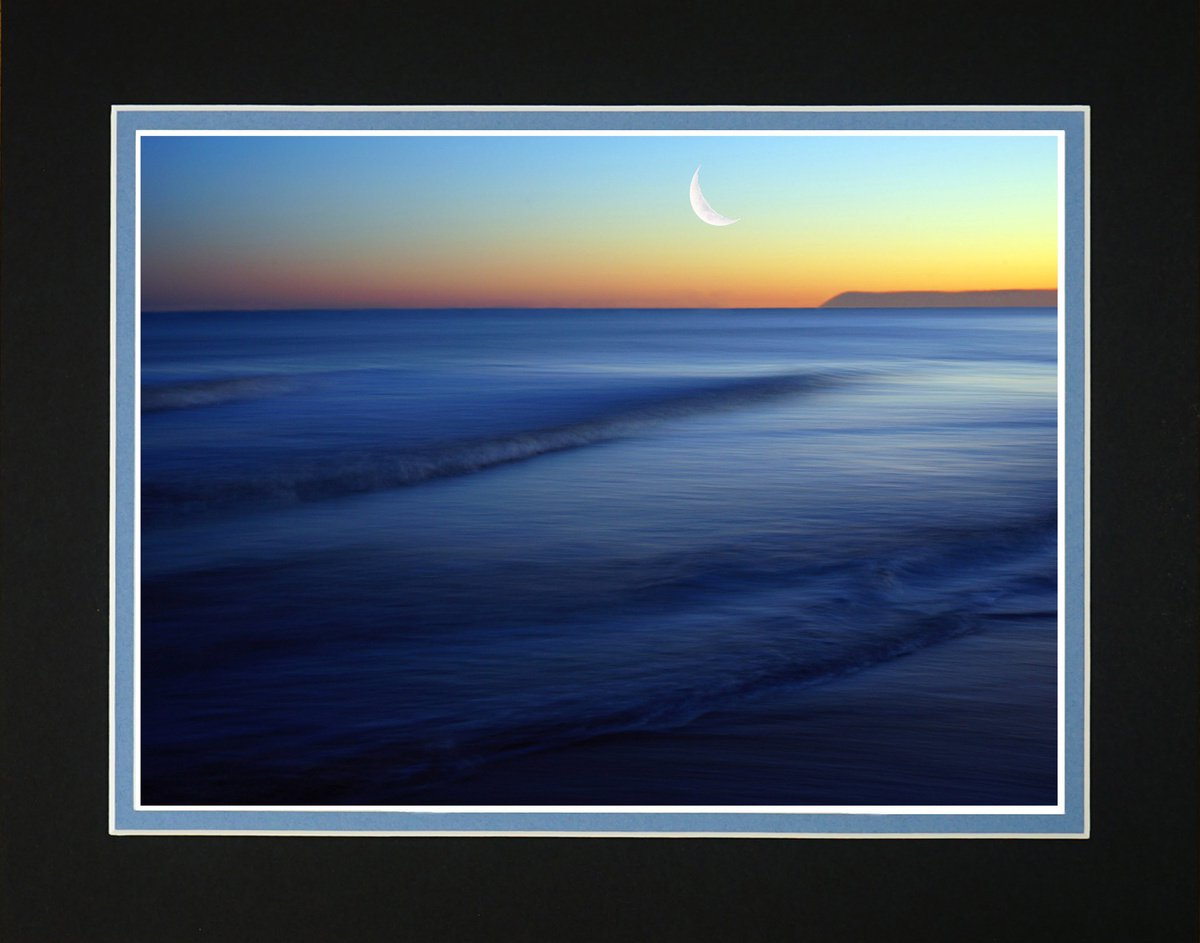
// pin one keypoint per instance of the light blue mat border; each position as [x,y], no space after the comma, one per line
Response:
[126,819]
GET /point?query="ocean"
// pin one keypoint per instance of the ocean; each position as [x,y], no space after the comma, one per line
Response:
[631,557]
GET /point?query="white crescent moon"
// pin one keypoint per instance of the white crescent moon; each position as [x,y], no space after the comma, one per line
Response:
[703,210]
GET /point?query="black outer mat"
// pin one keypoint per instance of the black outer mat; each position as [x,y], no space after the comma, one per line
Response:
[65,879]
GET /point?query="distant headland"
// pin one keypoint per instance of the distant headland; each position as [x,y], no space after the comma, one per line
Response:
[1005,298]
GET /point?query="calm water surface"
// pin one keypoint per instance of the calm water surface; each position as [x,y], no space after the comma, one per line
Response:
[717,557]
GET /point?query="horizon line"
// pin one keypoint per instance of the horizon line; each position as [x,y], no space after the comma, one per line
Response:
[821,306]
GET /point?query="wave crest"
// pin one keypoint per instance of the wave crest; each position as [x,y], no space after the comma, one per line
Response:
[383,469]
[212,392]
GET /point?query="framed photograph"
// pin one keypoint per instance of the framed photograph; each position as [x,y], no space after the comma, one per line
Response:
[636,471]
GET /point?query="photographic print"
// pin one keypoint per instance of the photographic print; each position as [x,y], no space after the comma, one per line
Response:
[643,471]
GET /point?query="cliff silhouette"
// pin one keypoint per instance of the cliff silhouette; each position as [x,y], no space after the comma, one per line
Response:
[1003,298]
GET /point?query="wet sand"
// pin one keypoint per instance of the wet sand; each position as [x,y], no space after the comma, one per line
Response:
[966,714]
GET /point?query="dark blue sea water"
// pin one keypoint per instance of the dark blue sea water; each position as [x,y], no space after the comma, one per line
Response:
[599,557]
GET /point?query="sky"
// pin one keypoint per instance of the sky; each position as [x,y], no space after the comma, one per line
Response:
[249,222]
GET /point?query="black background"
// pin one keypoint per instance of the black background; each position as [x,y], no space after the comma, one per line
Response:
[65,879]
